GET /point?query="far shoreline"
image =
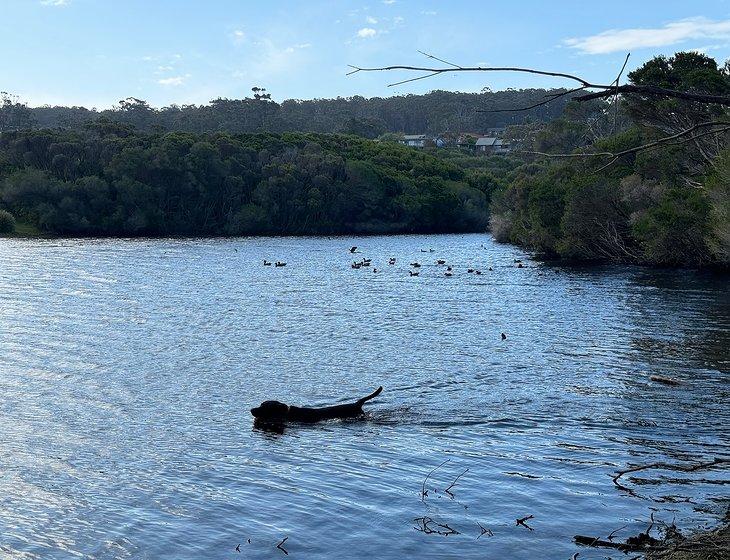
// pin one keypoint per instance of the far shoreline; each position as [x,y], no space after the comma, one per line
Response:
[547,260]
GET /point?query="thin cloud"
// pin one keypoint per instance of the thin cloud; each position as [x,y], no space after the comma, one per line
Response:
[371,20]
[238,36]
[622,40]
[366,32]
[173,81]
[55,2]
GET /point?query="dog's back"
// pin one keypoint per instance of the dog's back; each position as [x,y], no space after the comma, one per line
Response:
[305,414]
[277,411]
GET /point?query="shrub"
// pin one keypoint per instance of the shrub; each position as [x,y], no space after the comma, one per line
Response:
[7,222]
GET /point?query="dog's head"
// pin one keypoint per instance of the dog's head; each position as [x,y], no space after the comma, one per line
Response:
[271,410]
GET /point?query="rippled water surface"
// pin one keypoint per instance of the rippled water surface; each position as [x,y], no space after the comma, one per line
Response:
[127,369]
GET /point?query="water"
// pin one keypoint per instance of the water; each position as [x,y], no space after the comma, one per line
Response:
[127,369]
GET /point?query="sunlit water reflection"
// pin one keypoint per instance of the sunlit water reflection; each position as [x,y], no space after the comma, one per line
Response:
[127,369]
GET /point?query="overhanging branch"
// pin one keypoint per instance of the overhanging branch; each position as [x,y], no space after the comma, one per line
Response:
[602,90]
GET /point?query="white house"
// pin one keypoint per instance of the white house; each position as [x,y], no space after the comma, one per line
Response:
[492,145]
[414,140]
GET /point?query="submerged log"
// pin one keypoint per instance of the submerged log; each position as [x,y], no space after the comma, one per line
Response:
[665,380]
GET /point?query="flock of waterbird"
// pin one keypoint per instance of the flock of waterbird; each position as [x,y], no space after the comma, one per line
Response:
[414,269]
[415,266]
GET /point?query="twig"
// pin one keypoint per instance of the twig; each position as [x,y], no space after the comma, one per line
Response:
[522,521]
[448,490]
[357,69]
[424,493]
[424,523]
[646,546]
[681,137]
[439,59]
[651,524]
[613,533]
[281,547]
[484,531]
[665,466]
[616,96]
[553,97]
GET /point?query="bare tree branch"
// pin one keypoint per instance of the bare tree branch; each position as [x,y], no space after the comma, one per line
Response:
[665,141]
[604,91]
[436,71]
[439,59]
[552,96]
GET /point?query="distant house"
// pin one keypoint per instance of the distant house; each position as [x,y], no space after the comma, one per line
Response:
[467,139]
[502,147]
[415,140]
[422,141]
[491,145]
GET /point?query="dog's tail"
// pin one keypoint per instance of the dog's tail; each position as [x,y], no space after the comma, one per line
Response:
[363,400]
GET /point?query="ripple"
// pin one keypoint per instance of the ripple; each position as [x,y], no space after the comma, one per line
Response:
[127,368]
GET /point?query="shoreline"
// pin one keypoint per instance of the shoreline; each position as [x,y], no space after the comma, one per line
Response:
[34,234]
[707,544]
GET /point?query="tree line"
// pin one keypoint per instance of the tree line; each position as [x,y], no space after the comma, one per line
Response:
[435,112]
[581,183]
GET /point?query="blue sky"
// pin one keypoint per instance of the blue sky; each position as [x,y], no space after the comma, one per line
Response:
[95,52]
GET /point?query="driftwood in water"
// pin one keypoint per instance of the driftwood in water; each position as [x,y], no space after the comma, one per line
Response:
[668,467]
[665,380]
[429,526]
[642,542]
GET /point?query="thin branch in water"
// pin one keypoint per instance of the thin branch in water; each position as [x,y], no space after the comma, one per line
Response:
[484,531]
[448,490]
[666,466]
[424,493]
[441,528]
[522,521]
[280,546]
[613,533]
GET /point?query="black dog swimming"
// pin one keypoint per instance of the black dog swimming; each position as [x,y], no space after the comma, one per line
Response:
[278,412]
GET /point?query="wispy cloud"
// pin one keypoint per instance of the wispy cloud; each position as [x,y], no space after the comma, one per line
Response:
[388,2]
[272,60]
[55,2]
[428,13]
[371,20]
[238,36]
[173,81]
[672,33]
[366,32]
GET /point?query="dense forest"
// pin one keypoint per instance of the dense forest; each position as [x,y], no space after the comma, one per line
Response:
[435,112]
[201,171]
[111,180]
[664,206]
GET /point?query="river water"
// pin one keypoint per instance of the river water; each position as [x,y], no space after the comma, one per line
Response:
[128,368]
